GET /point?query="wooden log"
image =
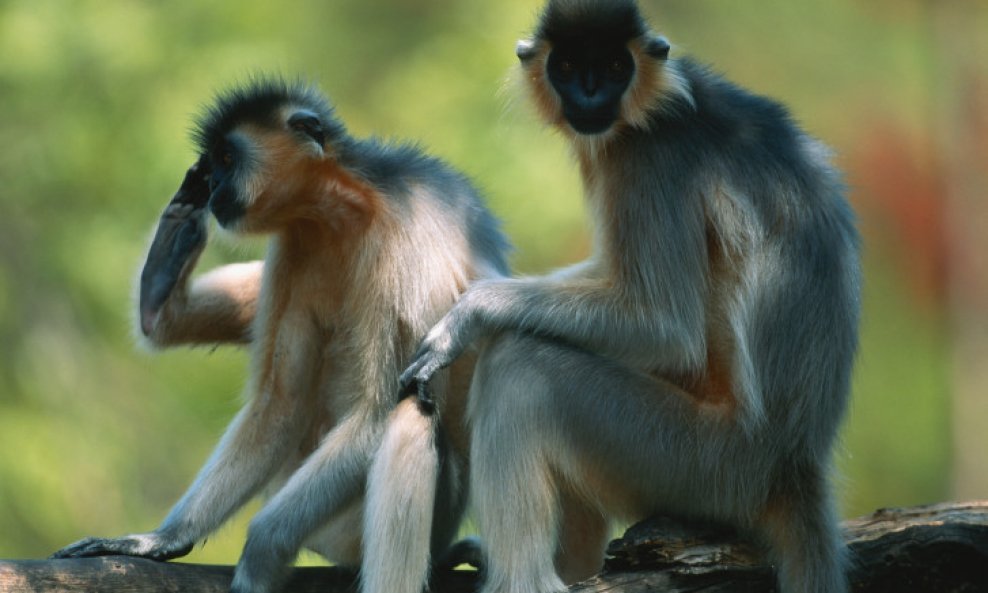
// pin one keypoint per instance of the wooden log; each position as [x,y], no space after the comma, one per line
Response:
[939,548]
[123,574]
[931,549]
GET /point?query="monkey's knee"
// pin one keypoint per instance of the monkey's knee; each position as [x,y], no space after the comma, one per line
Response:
[511,370]
[502,352]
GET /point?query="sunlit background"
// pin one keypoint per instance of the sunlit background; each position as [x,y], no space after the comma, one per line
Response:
[97,96]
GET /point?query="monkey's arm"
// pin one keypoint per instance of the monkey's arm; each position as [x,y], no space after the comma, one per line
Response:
[579,307]
[258,441]
[242,462]
[281,411]
[221,305]
[327,482]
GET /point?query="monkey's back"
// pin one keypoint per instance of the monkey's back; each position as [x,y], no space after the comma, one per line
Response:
[403,173]
[775,204]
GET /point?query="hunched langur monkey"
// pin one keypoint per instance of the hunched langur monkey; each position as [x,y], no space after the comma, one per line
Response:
[698,363]
[371,243]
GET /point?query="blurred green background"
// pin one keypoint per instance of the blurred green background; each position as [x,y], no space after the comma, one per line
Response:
[96,99]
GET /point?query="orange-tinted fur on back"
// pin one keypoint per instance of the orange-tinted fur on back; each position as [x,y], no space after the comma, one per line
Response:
[369,244]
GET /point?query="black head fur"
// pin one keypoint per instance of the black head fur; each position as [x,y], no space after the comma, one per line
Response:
[565,22]
[258,102]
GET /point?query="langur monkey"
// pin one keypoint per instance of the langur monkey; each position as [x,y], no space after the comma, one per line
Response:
[370,244]
[698,363]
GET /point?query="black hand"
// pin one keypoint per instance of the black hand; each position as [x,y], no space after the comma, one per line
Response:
[180,237]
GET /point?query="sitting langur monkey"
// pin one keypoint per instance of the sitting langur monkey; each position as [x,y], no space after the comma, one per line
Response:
[371,244]
[698,363]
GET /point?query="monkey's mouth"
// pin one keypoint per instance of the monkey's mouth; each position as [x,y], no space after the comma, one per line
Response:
[226,211]
[591,125]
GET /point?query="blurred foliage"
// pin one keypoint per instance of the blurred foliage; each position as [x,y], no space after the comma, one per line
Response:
[96,98]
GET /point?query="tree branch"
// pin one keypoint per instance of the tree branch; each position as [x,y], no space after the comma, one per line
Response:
[931,549]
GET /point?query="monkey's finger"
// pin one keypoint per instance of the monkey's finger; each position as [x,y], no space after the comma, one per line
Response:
[418,359]
[178,240]
[195,186]
[407,383]
[72,550]
[420,372]
[424,396]
[170,553]
[126,546]
[94,546]
[172,251]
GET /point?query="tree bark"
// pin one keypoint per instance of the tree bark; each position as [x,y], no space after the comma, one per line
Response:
[932,549]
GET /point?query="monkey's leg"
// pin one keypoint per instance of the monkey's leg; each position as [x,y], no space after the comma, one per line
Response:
[801,526]
[255,443]
[550,422]
[415,499]
[583,535]
[330,478]
[547,417]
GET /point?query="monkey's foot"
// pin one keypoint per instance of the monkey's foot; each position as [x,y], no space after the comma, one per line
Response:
[147,546]
[468,550]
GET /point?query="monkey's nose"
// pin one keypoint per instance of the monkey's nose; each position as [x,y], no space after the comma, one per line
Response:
[590,84]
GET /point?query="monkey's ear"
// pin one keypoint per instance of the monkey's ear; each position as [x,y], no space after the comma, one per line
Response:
[657,47]
[309,124]
[525,49]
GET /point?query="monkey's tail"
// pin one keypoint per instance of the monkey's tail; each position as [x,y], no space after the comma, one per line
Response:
[400,502]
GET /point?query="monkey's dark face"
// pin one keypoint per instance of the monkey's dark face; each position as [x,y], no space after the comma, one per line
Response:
[273,150]
[591,81]
[593,68]
[230,163]
[262,175]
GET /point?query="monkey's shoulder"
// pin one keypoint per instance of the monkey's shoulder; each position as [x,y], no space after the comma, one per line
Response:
[396,166]
[727,114]
[408,176]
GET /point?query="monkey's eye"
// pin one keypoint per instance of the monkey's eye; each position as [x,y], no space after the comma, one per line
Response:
[565,70]
[618,70]
[620,67]
[222,157]
[309,125]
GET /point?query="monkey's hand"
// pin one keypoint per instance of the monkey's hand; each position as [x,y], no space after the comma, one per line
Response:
[178,242]
[444,343]
[146,545]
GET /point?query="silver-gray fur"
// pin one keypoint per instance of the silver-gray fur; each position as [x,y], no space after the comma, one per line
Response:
[699,362]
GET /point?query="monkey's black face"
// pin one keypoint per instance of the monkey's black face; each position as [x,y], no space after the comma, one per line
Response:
[225,201]
[590,81]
